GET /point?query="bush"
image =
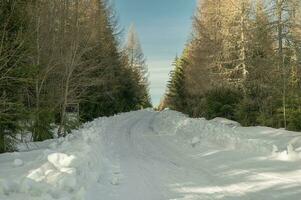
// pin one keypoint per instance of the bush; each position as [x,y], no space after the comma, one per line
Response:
[7,144]
[247,112]
[221,102]
[41,127]
[294,120]
[11,114]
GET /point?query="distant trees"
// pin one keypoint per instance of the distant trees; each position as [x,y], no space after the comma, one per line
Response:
[137,64]
[248,46]
[60,64]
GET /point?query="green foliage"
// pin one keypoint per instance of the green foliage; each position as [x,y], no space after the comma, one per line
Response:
[9,124]
[113,96]
[221,102]
[123,87]
[239,50]
[294,120]
[48,63]
[294,110]
[7,144]
[13,67]
[137,69]
[41,125]
[176,95]
[247,112]
[116,96]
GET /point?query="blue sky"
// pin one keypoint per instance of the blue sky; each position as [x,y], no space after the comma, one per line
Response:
[163,27]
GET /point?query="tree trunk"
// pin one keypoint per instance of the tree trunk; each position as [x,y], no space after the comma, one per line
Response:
[281,64]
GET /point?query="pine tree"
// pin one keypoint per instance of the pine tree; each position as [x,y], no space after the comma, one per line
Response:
[294,66]
[14,68]
[116,88]
[176,96]
[137,63]
[102,99]
[203,54]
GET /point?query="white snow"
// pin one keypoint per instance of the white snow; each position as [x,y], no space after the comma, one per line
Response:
[60,160]
[148,155]
[228,122]
[288,155]
[18,162]
[195,141]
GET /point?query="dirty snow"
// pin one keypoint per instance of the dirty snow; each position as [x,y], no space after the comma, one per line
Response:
[148,155]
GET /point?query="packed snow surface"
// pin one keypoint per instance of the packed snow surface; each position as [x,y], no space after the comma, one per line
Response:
[148,155]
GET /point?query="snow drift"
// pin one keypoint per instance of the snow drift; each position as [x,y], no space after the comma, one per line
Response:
[61,169]
[157,156]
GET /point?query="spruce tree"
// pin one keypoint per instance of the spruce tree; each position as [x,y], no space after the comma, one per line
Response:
[137,64]
[176,95]
[116,88]
[294,68]
[14,69]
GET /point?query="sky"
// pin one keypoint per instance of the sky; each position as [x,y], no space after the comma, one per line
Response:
[164,26]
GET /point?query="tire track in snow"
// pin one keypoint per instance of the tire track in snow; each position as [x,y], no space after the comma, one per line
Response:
[175,163]
[156,168]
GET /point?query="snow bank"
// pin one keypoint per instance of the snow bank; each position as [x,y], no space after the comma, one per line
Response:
[69,168]
[62,169]
[287,155]
[227,122]
[228,134]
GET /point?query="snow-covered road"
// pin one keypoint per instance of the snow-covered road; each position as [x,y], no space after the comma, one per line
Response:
[148,155]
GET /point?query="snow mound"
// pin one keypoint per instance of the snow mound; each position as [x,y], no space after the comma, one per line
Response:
[227,122]
[224,133]
[133,150]
[167,122]
[195,141]
[63,173]
[18,162]
[287,155]
[60,160]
